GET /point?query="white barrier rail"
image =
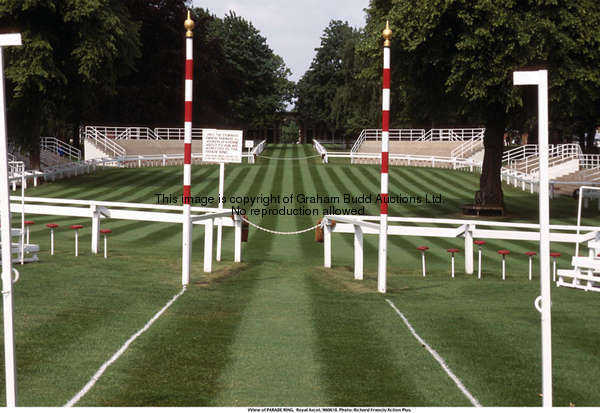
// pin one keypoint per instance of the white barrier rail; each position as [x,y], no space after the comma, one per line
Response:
[99,210]
[453,228]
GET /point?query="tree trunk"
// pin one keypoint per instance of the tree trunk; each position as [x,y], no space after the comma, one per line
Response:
[490,184]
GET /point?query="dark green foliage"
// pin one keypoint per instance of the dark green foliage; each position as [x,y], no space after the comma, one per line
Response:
[73,54]
[251,85]
[326,92]
[122,62]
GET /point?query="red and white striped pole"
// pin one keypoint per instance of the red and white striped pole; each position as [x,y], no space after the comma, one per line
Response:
[187,153]
[385,134]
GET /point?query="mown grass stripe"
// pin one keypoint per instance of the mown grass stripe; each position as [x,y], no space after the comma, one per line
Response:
[88,386]
[437,357]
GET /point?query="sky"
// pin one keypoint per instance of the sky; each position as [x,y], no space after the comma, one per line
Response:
[293,29]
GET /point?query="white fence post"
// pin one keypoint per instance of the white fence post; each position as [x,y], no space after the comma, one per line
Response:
[238,238]
[469,249]
[358,252]
[208,244]
[327,244]
[95,228]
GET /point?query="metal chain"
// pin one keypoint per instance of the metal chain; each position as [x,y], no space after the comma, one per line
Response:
[270,231]
[289,159]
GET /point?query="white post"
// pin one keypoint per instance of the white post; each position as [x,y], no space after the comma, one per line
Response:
[95,228]
[327,244]
[358,252]
[238,238]
[105,246]
[76,242]
[540,78]
[219,220]
[208,244]
[469,249]
[51,241]
[7,301]
[423,259]
[530,266]
[479,263]
[452,265]
[503,267]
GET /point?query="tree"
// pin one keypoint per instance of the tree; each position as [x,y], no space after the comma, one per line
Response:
[252,85]
[72,55]
[455,59]
[326,91]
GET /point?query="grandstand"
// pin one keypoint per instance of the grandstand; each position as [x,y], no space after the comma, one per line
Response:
[418,147]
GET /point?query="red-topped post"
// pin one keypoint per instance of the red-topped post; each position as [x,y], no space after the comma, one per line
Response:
[187,153]
[385,132]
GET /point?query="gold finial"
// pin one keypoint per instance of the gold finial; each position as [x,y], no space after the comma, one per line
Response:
[387,34]
[189,25]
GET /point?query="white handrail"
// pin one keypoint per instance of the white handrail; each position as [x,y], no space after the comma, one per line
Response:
[176,133]
[103,142]
[54,145]
[322,151]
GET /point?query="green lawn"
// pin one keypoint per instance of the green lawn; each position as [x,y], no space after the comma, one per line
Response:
[279,329]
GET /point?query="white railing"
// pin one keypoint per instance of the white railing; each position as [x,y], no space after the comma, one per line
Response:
[258,149]
[135,132]
[526,158]
[360,226]
[415,160]
[125,132]
[394,134]
[322,151]
[469,147]
[102,141]
[176,133]
[520,152]
[97,211]
[420,135]
[59,147]
[589,161]
[452,134]
[361,138]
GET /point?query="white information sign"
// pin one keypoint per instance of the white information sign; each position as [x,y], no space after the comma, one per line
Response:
[222,145]
[249,144]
